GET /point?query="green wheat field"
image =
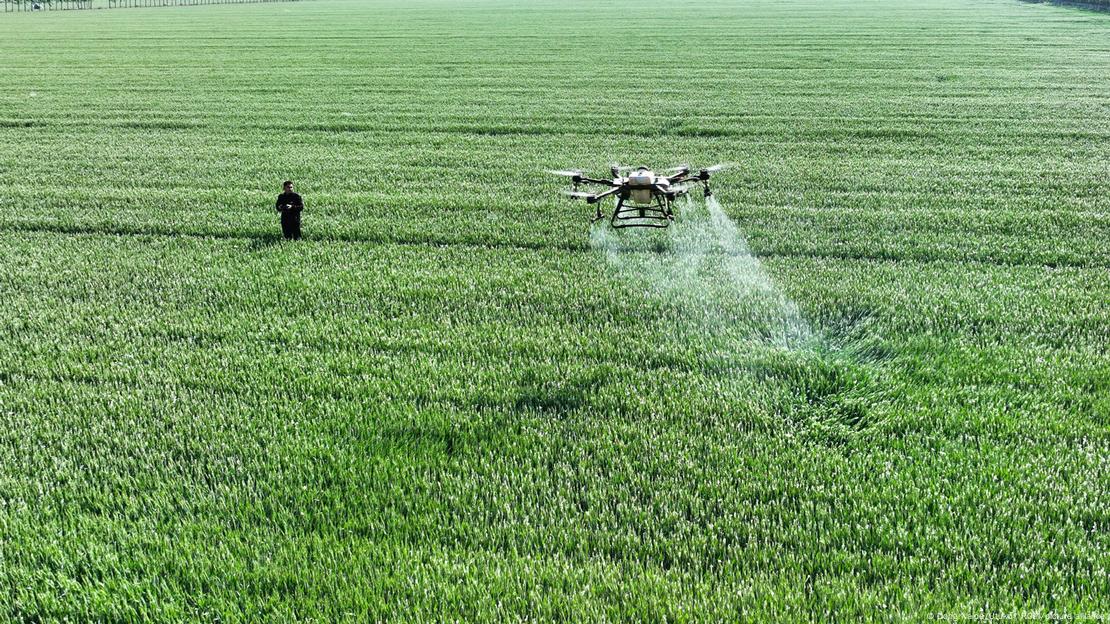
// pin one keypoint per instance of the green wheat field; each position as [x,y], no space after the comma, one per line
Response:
[868,380]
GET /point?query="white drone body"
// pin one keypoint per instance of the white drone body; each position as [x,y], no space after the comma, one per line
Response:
[642,184]
[644,198]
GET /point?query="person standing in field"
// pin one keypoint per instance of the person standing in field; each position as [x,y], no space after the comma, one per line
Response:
[289,206]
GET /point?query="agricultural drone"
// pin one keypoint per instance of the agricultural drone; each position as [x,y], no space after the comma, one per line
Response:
[644,198]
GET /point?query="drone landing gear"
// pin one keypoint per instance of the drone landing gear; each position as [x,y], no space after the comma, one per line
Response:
[656,215]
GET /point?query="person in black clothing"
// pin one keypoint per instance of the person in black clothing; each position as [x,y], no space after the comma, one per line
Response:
[290,205]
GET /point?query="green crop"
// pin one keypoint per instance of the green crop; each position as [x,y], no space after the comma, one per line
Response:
[871,384]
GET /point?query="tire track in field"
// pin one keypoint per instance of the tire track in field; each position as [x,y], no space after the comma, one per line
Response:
[258,239]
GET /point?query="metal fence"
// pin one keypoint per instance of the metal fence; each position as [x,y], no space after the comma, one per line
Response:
[12,6]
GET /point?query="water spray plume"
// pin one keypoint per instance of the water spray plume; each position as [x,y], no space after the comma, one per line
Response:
[703,266]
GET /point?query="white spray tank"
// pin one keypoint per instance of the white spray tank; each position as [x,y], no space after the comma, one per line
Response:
[640,183]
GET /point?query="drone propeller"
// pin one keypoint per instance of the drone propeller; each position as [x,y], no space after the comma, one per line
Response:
[678,168]
[570,173]
[617,168]
[716,168]
[578,194]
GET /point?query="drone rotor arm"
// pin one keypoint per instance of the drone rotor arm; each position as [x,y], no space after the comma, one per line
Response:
[566,173]
[674,173]
[693,178]
[601,196]
[596,181]
[593,199]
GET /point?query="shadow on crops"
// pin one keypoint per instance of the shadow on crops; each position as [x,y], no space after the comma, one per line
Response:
[21,123]
[850,333]
[256,239]
[551,392]
[819,388]
[264,241]
[443,434]
[166,124]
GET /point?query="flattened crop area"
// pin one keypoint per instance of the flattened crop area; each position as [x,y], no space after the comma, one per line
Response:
[446,404]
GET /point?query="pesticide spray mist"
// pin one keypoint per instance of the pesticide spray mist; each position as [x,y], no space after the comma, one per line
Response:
[702,266]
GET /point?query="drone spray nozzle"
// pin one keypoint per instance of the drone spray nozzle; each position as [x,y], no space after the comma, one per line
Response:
[708,193]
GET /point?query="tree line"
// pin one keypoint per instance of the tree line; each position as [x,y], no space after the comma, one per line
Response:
[11,6]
